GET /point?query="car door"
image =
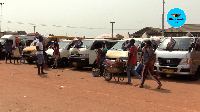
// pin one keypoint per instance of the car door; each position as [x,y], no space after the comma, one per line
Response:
[93,51]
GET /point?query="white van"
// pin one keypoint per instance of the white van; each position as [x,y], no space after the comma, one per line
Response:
[117,52]
[64,47]
[11,38]
[85,55]
[179,59]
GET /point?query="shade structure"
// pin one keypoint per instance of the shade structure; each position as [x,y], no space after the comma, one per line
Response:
[189,34]
[145,35]
[109,36]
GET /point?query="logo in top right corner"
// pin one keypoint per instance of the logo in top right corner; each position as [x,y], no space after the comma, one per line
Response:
[176,17]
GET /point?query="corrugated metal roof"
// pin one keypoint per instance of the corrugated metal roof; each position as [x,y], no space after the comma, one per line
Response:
[185,28]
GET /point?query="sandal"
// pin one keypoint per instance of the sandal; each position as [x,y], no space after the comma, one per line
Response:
[159,87]
[140,86]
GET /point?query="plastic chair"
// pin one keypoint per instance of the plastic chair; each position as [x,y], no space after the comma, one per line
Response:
[22,59]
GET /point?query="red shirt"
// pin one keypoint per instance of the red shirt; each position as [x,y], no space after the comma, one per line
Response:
[133,57]
[56,50]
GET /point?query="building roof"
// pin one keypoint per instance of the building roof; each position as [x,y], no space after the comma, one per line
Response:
[185,28]
[156,30]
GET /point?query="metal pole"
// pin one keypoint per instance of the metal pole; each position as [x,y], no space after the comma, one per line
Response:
[163,18]
[1,18]
[34,28]
[112,28]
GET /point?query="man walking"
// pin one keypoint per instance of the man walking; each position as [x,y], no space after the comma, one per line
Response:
[8,47]
[132,61]
[148,65]
[40,56]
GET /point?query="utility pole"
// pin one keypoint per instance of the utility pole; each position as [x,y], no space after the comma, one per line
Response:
[112,28]
[163,18]
[34,28]
[1,18]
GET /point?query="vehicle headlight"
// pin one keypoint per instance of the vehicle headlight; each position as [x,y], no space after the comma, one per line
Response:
[185,61]
[34,52]
[84,55]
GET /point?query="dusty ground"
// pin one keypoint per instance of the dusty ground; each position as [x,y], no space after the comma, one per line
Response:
[22,90]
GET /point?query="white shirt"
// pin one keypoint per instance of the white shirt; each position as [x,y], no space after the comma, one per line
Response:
[40,47]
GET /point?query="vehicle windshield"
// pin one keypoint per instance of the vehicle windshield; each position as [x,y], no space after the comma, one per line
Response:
[118,45]
[63,44]
[37,40]
[86,43]
[182,44]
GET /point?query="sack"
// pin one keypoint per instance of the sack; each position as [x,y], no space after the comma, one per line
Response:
[139,68]
[109,62]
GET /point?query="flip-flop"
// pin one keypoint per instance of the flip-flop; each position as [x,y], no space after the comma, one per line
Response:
[159,87]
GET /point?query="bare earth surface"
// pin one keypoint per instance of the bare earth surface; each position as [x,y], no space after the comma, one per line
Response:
[21,90]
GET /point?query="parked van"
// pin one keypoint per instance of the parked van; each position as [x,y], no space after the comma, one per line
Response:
[11,38]
[64,47]
[117,52]
[178,56]
[86,55]
[30,52]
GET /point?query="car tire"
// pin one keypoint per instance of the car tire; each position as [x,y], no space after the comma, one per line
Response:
[195,77]
[30,61]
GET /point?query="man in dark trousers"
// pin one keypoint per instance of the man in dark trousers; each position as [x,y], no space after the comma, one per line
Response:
[40,56]
[132,61]
[8,47]
[101,57]
[148,65]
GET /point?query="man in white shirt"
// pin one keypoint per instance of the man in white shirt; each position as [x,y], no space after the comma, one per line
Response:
[40,56]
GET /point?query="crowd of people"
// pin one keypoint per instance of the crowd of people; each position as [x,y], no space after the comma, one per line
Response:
[13,51]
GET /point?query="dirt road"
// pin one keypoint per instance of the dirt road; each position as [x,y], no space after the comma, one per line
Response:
[71,90]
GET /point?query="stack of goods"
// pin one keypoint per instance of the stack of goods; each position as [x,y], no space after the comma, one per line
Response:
[171,44]
[117,63]
[75,51]
[108,62]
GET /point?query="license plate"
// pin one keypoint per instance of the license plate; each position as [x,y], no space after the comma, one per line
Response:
[74,64]
[168,70]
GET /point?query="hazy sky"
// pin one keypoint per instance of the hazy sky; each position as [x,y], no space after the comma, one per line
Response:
[91,18]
